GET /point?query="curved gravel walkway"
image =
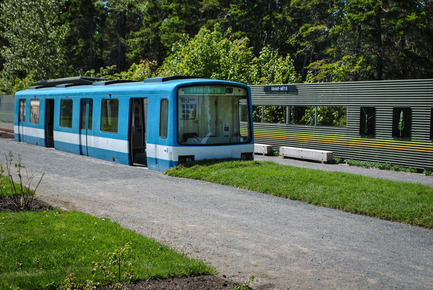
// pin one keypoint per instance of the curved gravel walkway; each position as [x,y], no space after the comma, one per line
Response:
[283,243]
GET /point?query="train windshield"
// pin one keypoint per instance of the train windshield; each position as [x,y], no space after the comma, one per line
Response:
[213,115]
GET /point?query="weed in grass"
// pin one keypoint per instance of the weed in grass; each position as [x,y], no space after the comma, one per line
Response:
[245,285]
[383,166]
[110,271]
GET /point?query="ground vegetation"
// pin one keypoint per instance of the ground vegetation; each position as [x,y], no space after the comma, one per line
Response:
[385,199]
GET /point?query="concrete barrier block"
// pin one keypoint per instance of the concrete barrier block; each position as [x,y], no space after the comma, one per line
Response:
[309,154]
[263,149]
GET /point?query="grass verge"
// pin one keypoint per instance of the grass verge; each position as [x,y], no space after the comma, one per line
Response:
[389,200]
[39,249]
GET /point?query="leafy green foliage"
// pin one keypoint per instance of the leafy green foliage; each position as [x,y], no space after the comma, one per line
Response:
[36,39]
[376,40]
[257,42]
[215,55]
[136,72]
[209,54]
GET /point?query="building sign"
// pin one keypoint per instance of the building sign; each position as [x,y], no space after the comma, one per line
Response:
[288,89]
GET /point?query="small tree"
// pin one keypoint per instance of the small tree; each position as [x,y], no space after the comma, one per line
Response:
[214,55]
[19,191]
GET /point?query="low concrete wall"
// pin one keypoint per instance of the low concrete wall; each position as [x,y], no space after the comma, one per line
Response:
[262,149]
[310,154]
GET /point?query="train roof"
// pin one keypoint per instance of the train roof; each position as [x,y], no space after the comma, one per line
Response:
[89,84]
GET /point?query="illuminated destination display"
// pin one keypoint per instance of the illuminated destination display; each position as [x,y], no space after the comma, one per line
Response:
[204,90]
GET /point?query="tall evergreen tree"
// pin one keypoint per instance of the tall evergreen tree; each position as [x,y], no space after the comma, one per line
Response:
[83,39]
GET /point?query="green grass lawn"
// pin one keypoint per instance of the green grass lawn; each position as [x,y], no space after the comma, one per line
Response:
[39,249]
[390,200]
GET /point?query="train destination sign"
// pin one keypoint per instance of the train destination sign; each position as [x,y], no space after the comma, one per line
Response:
[291,89]
[204,90]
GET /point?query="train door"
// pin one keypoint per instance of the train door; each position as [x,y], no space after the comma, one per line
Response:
[138,129]
[21,119]
[49,122]
[86,125]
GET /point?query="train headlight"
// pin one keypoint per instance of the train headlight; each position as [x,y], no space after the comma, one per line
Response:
[186,159]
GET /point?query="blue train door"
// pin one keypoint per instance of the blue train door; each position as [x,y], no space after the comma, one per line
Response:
[49,122]
[138,129]
[21,119]
[86,125]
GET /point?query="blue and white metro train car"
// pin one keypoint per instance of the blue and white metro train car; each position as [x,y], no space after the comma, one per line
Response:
[159,123]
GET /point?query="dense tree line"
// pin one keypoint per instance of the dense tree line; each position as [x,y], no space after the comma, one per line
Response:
[318,40]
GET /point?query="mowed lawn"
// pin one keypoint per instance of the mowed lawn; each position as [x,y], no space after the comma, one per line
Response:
[390,200]
[40,249]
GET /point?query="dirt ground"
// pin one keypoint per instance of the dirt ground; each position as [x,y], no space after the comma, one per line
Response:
[198,283]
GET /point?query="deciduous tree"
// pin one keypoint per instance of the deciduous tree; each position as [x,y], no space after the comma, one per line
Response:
[35,38]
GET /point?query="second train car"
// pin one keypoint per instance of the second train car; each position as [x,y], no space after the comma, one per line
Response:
[159,123]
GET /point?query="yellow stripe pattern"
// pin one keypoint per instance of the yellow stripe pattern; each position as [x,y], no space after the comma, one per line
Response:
[338,139]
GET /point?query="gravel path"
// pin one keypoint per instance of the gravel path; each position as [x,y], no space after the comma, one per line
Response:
[283,243]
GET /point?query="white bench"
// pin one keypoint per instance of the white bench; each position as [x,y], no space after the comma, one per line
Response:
[263,149]
[309,154]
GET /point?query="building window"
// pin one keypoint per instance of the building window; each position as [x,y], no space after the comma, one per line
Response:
[401,122]
[109,115]
[66,113]
[274,114]
[332,116]
[367,122]
[34,111]
[257,114]
[163,122]
[302,115]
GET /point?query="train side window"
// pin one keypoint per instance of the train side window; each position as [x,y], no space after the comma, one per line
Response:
[34,111]
[66,113]
[22,117]
[367,122]
[401,122]
[85,115]
[109,115]
[163,122]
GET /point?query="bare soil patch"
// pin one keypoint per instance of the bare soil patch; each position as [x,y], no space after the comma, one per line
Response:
[7,205]
[197,283]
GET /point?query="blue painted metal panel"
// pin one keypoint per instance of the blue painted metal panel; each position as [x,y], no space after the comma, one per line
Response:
[69,139]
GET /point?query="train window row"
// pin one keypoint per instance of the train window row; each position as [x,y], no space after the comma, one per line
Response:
[109,114]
